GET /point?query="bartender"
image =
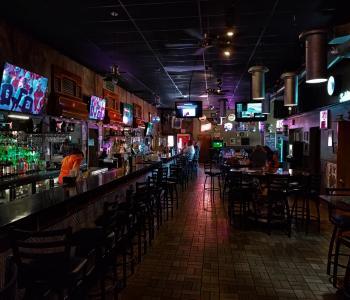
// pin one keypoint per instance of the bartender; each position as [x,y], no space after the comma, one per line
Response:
[71,164]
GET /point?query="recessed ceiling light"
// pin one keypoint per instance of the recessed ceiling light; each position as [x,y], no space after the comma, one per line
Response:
[230,33]
[114,13]
[227,53]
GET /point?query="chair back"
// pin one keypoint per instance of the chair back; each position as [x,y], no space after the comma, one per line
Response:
[41,256]
[277,185]
[8,291]
[234,179]
[314,184]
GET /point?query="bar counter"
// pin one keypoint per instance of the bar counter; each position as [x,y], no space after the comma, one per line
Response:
[50,205]
[93,186]
[27,178]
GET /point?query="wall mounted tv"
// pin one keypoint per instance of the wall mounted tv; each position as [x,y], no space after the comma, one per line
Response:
[128,115]
[22,91]
[189,109]
[249,112]
[97,108]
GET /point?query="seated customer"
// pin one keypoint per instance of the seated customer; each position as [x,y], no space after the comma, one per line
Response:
[71,164]
[258,157]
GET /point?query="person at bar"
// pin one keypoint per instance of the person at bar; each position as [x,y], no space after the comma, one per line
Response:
[71,164]
[258,158]
[189,150]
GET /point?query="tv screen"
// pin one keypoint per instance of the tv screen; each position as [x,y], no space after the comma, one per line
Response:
[128,117]
[97,108]
[149,129]
[22,91]
[217,144]
[190,109]
[249,112]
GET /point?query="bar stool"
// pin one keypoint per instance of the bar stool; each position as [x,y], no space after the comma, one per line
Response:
[312,197]
[9,290]
[45,263]
[211,172]
[297,186]
[341,228]
[277,201]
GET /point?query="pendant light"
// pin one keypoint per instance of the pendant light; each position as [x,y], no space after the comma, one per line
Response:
[258,82]
[266,105]
[315,55]
[290,88]
[222,107]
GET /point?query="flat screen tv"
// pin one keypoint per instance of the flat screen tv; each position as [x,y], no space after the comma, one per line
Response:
[97,108]
[189,109]
[22,91]
[128,116]
[249,112]
[149,129]
[217,144]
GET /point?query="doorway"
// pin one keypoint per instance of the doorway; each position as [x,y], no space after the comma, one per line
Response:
[314,150]
[204,144]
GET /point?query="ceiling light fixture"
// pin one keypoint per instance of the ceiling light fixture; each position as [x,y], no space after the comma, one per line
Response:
[20,117]
[315,55]
[113,13]
[230,33]
[290,96]
[258,82]
[227,53]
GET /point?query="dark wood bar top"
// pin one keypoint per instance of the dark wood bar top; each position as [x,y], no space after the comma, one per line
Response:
[93,186]
[27,178]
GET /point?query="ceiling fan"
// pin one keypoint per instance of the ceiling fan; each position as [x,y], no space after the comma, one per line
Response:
[114,75]
[205,42]
[217,91]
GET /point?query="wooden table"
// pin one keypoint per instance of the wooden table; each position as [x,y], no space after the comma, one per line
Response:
[267,172]
[337,201]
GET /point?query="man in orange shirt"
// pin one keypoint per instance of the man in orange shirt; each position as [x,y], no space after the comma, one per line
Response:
[71,164]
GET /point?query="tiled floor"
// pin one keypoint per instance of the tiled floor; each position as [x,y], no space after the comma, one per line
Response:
[197,255]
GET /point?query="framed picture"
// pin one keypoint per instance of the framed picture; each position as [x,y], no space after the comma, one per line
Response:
[233,141]
[176,123]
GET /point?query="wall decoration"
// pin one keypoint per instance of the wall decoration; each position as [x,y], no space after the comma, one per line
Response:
[331,175]
[233,141]
[323,119]
[330,138]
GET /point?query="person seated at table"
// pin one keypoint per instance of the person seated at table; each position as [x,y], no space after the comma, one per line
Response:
[71,164]
[258,158]
[189,151]
[196,151]
[274,163]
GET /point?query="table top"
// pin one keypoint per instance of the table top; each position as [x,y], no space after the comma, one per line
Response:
[266,172]
[340,201]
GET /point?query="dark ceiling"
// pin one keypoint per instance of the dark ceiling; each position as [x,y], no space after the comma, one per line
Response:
[155,41]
